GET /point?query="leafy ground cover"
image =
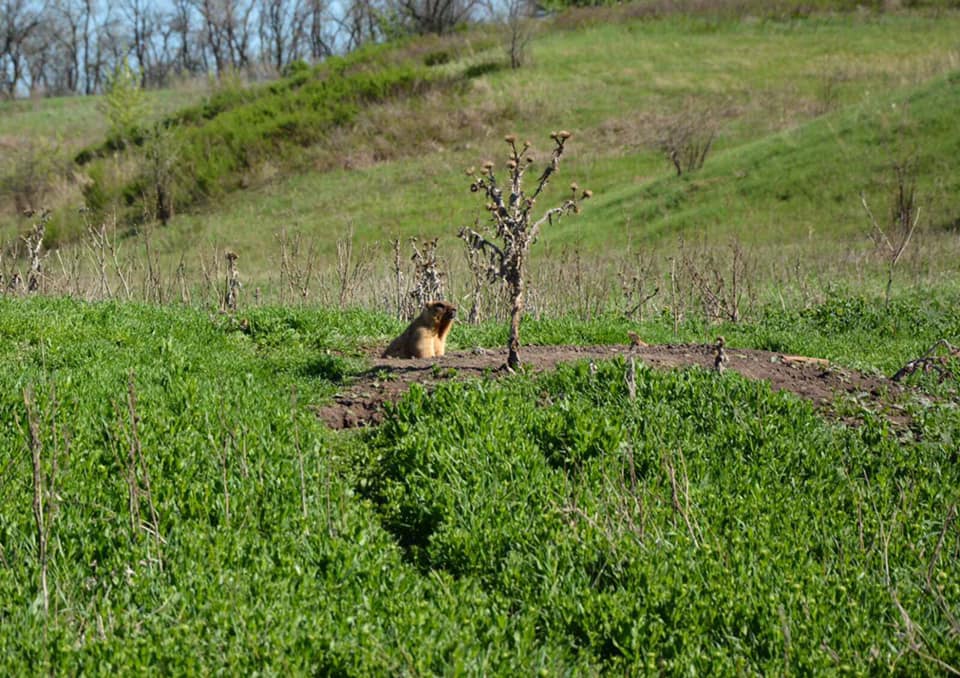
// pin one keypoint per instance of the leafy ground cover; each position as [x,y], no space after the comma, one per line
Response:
[198,516]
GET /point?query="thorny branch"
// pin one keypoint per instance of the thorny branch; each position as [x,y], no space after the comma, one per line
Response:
[931,361]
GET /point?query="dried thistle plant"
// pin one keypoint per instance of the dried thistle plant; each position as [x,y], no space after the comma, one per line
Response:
[34,242]
[232,284]
[514,225]
[428,277]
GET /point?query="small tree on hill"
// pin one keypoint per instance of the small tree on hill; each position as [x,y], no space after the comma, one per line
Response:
[124,103]
[512,219]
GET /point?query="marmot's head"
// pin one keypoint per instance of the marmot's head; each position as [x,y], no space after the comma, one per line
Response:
[440,312]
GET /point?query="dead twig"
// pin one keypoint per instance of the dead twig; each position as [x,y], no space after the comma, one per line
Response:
[931,361]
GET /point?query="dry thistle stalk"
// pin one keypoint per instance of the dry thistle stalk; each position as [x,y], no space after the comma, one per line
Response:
[428,277]
[232,294]
[514,224]
[34,242]
[892,239]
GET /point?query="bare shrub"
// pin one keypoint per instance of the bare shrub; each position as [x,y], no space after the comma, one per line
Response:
[637,278]
[34,242]
[719,282]
[514,224]
[891,238]
[353,267]
[686,137]
[161,155]
[296,265]
[517,31]
[429,279]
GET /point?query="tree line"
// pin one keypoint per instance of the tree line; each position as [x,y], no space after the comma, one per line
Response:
[62,47]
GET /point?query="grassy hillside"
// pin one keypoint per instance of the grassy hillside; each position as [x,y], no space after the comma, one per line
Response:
[810,111]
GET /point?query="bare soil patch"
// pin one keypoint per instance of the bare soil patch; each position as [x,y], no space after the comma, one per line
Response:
[361,401]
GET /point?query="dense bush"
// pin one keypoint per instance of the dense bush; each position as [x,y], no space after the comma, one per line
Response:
[237,129]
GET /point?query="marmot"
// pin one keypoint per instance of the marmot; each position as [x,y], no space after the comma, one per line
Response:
[426,336]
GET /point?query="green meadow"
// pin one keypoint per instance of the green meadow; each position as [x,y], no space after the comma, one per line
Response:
[171,502]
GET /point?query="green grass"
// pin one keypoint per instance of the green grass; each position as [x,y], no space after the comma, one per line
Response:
[488,528]
[544,524]
[78,120]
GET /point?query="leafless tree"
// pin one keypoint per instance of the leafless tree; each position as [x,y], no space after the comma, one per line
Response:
[139,22]
[282,28]
[227,31]
[18,19]
[181,24]
[435,16]
[514,16]
[360,23]
[318,25]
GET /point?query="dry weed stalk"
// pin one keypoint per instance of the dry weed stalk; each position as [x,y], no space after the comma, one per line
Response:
[34,242]
[153,282]
[136,473]
[398,278]
[721,294]
[635,287]
[181,277]
[893,238]
[514,223]
[296,265]
[45,503]
[232,284]
[102,250]
[428,278]
[352,267]
[71,270]
[676,310]
[211,277]
[681,487]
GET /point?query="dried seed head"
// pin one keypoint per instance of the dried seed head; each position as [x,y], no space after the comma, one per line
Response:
[563,134]
[488,165]
[574,186]
[474,188]
[587,194]
[510,138]
[471,171]
[553,135]
[529,159]
[512,164]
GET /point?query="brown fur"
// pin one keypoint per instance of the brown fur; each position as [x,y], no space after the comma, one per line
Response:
[426,336]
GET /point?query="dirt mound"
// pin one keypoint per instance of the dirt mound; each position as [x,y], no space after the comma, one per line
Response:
[361,401]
